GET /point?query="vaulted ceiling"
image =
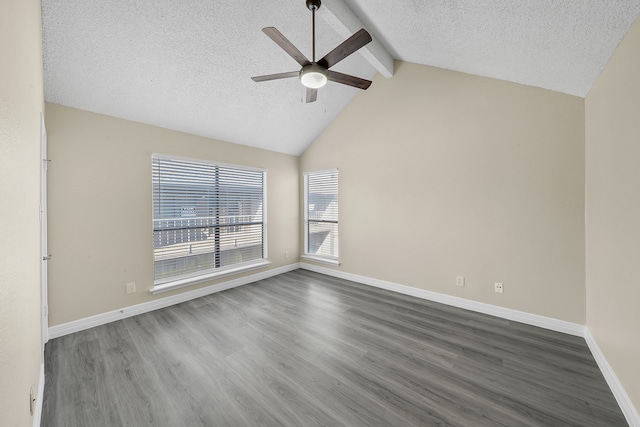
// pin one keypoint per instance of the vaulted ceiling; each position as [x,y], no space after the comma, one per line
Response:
[187,65]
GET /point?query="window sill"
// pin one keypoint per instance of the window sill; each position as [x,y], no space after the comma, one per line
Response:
[181,283]
[331,261]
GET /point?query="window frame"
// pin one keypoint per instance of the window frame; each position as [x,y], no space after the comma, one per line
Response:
[329,259]
[178,281]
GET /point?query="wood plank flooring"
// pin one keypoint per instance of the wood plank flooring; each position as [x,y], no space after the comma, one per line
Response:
[304,349]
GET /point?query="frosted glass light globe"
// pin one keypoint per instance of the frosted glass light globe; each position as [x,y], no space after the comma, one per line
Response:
[313,76]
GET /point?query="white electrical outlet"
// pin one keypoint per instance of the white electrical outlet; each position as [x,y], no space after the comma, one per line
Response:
[499,288]
[460,281]
[131,288]
[286,254]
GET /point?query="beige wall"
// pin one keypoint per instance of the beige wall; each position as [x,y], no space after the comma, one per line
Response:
[21,101]
[445,174]
[613,212]
[100,231]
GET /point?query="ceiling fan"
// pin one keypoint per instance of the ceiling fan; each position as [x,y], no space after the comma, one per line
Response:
[315,74]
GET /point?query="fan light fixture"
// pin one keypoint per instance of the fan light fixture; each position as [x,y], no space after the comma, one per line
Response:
[313,76]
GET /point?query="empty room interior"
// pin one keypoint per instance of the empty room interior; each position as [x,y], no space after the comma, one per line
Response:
[295,213]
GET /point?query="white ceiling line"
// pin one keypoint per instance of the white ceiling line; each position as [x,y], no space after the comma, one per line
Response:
[340,17]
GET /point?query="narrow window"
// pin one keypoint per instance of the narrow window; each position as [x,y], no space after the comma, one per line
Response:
[321,215]
[207,218]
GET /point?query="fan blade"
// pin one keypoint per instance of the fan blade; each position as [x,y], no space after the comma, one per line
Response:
[346,48]
[348,80]
[276,76]
[312,95]
[286,45]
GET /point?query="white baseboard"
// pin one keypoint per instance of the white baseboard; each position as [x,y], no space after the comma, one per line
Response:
[37,415]
[629,411]
[480,307]
[112,316]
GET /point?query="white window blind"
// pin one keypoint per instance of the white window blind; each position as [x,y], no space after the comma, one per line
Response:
[206,217]
[321,213]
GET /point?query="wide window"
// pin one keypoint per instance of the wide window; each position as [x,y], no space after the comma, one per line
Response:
[208,218]
[321,215]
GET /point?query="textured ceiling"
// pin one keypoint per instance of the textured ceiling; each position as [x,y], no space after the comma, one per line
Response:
[186,65]
[560,45]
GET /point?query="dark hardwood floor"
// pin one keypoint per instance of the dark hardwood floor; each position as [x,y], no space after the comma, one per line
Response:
[304,349]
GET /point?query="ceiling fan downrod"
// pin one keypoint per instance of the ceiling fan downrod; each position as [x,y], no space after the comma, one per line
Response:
[313,5]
